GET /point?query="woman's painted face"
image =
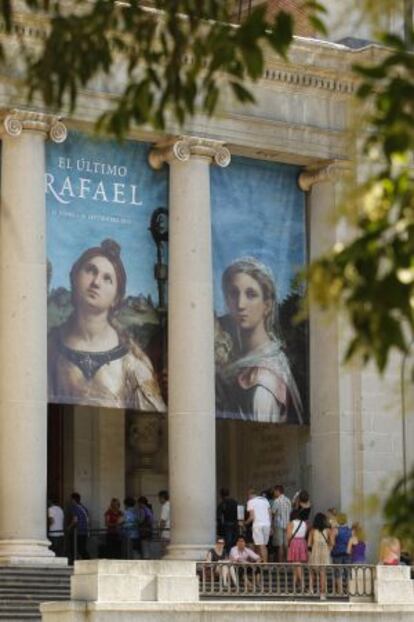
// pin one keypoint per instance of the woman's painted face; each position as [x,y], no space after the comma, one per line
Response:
[246,302]
[96,284]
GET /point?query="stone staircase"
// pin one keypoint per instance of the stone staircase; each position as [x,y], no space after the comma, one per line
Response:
[23,588]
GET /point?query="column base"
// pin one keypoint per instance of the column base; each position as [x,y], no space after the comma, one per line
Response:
[29,553]
[189,552]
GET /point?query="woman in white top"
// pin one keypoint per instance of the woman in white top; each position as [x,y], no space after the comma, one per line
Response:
[297,546]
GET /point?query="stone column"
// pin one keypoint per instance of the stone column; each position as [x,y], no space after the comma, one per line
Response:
[334,391]
[191,401]
[23,336]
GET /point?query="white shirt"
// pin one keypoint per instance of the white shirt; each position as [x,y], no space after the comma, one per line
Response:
[299,529]
[247,555]
[55,513]
[260,507]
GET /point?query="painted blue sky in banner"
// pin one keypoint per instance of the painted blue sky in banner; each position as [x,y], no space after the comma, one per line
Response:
[261,358]
[258,210]
[116,201]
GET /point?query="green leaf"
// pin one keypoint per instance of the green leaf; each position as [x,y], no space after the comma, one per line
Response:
[318,24]
[392,40]
[282,33]
[241,93]
[372,71]
[314,6]
[253,58]
[364,90]
[253,26]
[396,143]
[210,100]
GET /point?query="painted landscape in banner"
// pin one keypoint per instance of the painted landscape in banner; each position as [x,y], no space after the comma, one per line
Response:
[106,274]
[259,247]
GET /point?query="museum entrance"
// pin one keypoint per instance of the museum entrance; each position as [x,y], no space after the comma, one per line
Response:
[260,455]
[105,453]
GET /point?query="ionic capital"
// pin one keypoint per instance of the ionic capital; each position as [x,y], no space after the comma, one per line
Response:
[183,148]
[15,122]
[331,172]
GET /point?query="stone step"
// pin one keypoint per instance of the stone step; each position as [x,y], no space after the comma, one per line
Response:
[35,569]
[12,605]
[33,579]
[29,570]
[39,596]
[22,615]
[33,582]
[22,589]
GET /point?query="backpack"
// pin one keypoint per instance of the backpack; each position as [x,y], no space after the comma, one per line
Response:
[341,541]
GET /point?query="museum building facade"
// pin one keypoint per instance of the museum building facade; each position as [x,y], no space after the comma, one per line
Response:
[252,193]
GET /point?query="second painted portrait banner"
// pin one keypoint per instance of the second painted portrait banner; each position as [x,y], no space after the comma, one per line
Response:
[259,247]
[106,247]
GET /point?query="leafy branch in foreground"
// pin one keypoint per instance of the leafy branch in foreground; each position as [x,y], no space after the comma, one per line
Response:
[372,277]
[173,57]
[399,509]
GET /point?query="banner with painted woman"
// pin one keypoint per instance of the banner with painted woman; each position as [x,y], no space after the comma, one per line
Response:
[106,275]
[259,246]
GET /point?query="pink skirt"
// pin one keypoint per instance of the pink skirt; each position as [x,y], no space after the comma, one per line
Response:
[298,550]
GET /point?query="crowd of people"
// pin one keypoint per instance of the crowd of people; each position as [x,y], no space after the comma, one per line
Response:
[128,531]
[275,528]
[270,527]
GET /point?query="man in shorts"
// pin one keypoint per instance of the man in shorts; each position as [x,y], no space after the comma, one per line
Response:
[281,509]
[260,516]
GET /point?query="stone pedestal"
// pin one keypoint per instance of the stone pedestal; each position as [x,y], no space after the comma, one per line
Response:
[23,337]
[165,591]
[191,400]
[393,585]
[135,581]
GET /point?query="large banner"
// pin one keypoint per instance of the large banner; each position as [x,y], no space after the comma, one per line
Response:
[106,302]
[259,245]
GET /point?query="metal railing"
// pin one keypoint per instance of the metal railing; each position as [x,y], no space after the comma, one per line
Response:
[104,544]
[286,581]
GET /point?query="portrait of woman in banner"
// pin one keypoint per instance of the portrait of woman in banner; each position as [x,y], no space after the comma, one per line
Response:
[254,377]
[91,359]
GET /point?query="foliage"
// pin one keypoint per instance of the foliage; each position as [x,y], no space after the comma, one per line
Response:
[173,56]
[372,276]
[399,511]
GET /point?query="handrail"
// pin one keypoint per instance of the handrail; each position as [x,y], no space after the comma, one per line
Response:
[119,543]
[287,581]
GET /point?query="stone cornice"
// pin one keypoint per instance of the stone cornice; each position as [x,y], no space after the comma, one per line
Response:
[310,79]
[182,148]
[330,68]
[330,172]
[15,121]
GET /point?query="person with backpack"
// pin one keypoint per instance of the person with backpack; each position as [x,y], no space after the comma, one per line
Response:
[78,528]
[340,555]
[145,525]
